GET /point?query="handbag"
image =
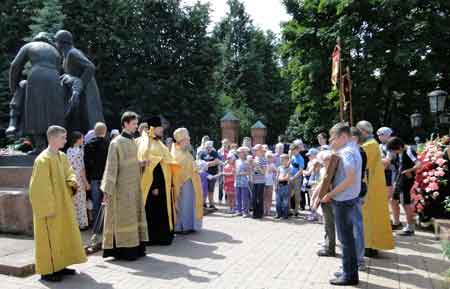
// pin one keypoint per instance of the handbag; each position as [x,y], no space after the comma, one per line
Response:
[97,228]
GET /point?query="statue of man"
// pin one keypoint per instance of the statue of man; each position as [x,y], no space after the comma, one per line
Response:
[84,108]
[38,103]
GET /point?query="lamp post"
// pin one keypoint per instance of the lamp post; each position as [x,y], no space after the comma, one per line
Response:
[437,100]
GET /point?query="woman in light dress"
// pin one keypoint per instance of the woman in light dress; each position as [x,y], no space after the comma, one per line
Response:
[75,154]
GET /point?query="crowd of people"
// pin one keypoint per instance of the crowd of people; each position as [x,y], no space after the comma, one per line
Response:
[148,189]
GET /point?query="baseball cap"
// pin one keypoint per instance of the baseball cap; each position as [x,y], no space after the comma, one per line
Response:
[384,131]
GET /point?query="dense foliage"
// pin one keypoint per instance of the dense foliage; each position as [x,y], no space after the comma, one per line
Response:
[394,49]
[159,57]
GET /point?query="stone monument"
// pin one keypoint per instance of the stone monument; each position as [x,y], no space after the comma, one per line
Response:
[84,105]
[45,98]
[37,102]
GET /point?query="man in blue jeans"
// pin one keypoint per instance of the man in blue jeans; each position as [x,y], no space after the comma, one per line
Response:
[95,154]
[344,196]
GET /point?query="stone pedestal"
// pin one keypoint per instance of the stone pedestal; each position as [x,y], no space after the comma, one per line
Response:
[259,133]
[230,127]
[15,209]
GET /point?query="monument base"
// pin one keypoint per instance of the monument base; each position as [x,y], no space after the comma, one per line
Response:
[15,211]
[16,216]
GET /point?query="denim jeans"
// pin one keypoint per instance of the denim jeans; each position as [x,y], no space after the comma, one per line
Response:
[358,231]
[242,199]
[345,213]
[282,200]
[97,197]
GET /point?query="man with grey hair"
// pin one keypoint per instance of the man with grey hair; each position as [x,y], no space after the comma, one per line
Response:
[365,127]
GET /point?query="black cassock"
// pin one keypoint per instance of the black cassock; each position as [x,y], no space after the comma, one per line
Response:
[156,211]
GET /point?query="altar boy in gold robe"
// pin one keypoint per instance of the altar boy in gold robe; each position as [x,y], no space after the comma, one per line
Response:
[156,184]
[56,233]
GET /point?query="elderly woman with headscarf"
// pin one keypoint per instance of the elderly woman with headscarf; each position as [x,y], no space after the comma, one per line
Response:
[186,186]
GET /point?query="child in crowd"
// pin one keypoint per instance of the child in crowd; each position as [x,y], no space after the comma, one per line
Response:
[282,192]
[242,174]
[259,181]
[203,171]
[250,163]
[311,178]
[228,182]
[271,172]
[329,245]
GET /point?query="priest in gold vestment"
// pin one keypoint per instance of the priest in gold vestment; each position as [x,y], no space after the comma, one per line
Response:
[187,188]
[56,233]
[156,184]
[125,226]
[377,227]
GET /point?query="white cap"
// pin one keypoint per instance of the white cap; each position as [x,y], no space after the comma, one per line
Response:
[384,131]
[114,132]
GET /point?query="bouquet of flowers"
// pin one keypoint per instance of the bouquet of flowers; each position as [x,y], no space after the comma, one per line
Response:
[429,189]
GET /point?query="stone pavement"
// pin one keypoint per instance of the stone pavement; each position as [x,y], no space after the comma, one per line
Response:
[232,252]
[17,253]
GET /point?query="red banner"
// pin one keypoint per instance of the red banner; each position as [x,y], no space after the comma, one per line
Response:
[336,58]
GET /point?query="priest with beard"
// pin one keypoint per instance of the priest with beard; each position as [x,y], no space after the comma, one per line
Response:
[156,184]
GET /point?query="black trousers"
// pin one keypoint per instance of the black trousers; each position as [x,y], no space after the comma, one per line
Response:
[258,200]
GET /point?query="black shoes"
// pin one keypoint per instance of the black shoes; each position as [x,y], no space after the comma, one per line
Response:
[405,233]
[397,227]
[213,208]
[370,253]
[58,276]
[55,277]
[67,271]
[325,253]
[343,282]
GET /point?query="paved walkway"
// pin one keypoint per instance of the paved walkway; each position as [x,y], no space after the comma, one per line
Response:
[232,252]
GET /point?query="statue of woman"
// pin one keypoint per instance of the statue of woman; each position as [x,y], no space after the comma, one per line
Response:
[44,97]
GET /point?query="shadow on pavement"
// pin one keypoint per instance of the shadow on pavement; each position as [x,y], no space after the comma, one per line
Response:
[187,248]
[210,236]
[156,268]
[79,281]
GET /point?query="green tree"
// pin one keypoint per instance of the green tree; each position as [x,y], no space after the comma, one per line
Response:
[394,50]
[154,57]
[49,18]
[248,78]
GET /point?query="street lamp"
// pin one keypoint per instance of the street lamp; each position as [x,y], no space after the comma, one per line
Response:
[437,104]
[416,120]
